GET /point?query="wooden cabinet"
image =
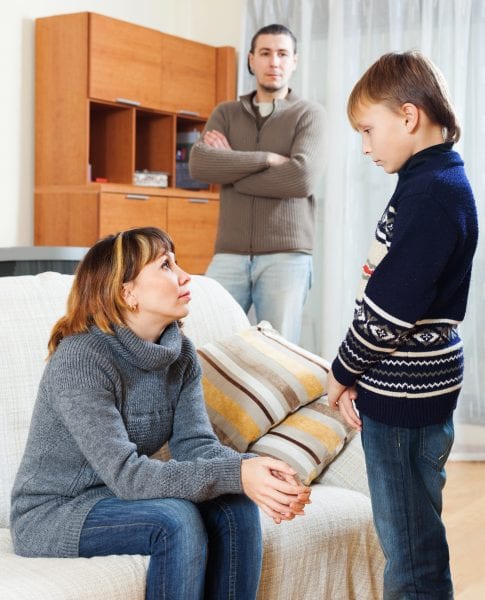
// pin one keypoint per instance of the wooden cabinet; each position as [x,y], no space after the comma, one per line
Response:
[111,98]
[191,69]
[125,62]
[79,215]
[122,211]
[186,215]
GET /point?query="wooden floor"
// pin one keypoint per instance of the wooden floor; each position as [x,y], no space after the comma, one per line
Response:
[464,517]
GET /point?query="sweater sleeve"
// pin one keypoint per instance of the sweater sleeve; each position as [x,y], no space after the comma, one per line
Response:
[297,177]
[216,165]
[401,289]
[87,406]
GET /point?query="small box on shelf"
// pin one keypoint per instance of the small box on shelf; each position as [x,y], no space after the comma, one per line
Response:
[151,178]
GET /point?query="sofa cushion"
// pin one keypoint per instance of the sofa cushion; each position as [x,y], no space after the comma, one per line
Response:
[253,379]
[108,577]
[29,307]
[213,312]
[347,470]
[308,440]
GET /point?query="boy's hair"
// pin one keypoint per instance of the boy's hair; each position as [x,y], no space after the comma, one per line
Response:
[400,77]
[273,29]
[96,295]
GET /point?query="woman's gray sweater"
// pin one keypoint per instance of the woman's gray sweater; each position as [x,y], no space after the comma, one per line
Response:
[106,403]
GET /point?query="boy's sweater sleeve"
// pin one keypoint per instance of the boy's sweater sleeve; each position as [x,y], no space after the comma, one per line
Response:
[215,165]
[297,177]
[401,288]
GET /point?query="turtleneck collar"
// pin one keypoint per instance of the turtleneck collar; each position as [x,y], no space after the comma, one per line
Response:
[424,155]
[145,355]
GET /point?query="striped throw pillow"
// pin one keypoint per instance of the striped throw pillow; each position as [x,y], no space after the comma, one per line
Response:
[307,440]
[253,379]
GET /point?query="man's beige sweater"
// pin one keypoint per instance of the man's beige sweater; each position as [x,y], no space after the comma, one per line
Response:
[264,208]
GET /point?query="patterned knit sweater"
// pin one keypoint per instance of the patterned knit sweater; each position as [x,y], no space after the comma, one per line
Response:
[106,403]
[264,209]
[403,349]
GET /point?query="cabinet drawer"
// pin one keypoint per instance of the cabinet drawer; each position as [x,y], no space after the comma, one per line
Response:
[192,224]
[118,212]
[125,62]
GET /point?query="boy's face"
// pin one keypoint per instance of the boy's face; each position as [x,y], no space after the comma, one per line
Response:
[385,136]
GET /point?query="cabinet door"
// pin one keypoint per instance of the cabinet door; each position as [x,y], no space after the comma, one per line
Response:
[192,224]
[188,76]
[124,62]
[118,212]
[66,217]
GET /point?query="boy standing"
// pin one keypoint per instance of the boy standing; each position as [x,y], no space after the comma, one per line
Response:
[402,358]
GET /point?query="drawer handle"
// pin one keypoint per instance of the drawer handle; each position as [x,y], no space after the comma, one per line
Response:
[128,101]
[193,113]
[199,200]
[137,197]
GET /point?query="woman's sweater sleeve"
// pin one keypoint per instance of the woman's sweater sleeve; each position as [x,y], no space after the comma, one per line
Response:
[86,404]
[401,289]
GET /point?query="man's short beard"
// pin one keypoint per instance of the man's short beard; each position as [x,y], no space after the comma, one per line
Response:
[274,88]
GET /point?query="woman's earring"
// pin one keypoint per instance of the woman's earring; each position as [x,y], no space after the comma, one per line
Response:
[134,307]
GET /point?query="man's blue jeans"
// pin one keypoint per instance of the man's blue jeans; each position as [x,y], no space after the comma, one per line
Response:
[405,468]
[209,550]
[277,284]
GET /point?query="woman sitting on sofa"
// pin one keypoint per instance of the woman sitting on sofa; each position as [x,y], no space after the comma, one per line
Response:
[122,380]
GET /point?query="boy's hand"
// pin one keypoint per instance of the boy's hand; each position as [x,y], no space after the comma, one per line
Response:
[334,390]
[342,398]
[347,409]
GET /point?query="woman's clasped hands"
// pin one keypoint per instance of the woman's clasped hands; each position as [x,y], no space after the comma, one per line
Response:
[275,487]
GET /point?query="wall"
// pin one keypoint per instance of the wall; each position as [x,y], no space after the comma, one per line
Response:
[216,22]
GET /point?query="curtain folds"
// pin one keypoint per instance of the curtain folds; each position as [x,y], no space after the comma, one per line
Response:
[337,41]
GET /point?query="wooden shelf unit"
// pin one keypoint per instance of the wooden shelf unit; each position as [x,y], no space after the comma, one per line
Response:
[111,98]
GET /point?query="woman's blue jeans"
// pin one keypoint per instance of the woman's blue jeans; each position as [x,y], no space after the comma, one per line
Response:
[209,550]
[405,468]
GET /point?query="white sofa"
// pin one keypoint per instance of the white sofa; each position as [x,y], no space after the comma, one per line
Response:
[330,554]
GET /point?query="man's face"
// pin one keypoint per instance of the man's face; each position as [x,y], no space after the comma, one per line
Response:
[273,61]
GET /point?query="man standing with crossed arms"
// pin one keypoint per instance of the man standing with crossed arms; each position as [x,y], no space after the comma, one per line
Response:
[266,151]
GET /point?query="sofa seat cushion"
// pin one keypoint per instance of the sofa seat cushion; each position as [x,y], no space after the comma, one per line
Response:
[103,577]
[336,536]
[332,549]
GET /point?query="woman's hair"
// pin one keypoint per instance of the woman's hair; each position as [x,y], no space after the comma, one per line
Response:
[96,296]
[400,77]
[273,29]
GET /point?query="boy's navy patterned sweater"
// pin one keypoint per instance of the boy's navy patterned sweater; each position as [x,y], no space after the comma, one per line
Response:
[402,348]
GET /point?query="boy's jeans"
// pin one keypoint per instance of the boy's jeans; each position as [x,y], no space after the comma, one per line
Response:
[207,550]
[405,468]
[277,284]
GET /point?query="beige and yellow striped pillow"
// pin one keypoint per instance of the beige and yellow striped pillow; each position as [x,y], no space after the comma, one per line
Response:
[252,380]
[307,440]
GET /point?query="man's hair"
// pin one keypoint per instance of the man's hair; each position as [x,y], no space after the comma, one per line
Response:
[273,29]
[400,77]
[96,296]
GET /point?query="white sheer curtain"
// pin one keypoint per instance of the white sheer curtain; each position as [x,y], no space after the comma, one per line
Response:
[338,40]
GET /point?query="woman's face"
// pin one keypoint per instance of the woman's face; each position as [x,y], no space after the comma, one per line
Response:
[161,294]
